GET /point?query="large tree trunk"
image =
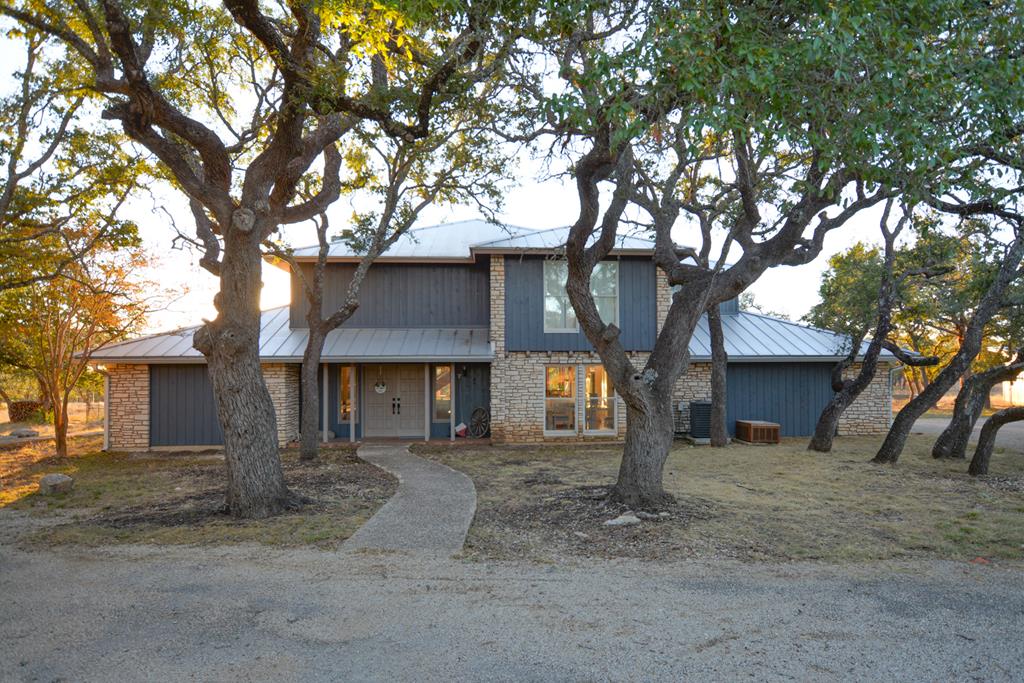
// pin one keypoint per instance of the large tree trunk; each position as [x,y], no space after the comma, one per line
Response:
[896,439]
[230,342]
[311,407]
[970,402]
[987,438]
[719,364]
[649,434]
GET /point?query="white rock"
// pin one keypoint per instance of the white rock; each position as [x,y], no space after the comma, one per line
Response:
[646,515]
[24,433]
[623,520]
[55,483]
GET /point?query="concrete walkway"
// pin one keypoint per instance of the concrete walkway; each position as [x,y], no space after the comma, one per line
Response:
[429,514]
[1010,436]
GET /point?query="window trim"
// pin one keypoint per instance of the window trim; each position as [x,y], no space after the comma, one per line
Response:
[613,399]
[343,395]
[575,401]
[576,330]
[433,394]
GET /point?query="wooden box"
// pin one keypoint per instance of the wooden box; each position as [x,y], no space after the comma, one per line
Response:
[757,431]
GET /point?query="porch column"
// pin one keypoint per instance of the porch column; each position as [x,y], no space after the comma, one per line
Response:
[352,403]
[451,397]
[426,401]
[323,400]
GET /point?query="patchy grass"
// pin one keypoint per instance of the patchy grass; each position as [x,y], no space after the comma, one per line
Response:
[747,503]
[178,498]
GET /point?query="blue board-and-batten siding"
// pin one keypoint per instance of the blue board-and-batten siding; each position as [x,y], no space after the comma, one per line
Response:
[402,295]
[181,407]
[791,394]
[524,307]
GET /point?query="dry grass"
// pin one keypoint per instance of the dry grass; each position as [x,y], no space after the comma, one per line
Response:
[748,503]
[79,420]
[177,498]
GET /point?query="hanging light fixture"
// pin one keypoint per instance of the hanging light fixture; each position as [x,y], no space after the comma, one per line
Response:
[381,386]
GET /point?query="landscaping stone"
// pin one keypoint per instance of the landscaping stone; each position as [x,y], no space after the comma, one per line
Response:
[55,483]
[623,520]
[646,515]
[24,433]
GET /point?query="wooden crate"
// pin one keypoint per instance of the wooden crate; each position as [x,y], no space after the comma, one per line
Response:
[757,431]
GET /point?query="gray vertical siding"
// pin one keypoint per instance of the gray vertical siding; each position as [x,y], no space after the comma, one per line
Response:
[405,295]
[524,307]
[730,307]
[181,407]
[791,394]
[472,391]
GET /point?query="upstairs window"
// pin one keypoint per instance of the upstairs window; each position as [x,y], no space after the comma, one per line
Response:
[604,287]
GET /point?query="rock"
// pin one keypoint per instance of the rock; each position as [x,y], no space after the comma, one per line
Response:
[24,433]
[580,534]
[646,515]
[55,483]
[664,514]
[623,520]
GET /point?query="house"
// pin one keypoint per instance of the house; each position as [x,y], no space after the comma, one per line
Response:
[474,315]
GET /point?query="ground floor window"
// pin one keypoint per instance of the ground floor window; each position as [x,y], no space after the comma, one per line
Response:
[560,398]
[345,390]
[442,393]
[599,406]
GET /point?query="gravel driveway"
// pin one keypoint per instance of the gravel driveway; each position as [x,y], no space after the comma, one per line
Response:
[255,614]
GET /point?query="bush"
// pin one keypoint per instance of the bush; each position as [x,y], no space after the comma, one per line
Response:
[25,411]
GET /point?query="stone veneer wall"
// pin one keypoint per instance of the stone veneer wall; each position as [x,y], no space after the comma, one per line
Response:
[129,407]
[129,403]
[283,383]
[871,413]
[517,382]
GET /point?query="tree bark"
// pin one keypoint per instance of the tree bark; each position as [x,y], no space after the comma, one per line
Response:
[311,408]
[649,437]
[60,428]
[987,438]
[719,363]
[970,402]
[255,480]
[896,439]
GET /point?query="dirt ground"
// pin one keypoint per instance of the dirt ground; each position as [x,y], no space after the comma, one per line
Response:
[178,498]
[747,503]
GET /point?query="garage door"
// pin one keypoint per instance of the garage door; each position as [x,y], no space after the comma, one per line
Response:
[792,394]
[181,410]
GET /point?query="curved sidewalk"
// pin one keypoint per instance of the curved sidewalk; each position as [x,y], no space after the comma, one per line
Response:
[430,513]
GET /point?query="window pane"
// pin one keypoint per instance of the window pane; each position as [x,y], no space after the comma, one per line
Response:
[555,275]
[560,398]
[600,400]
[345,394]
[607,308]
[442,393]
[605,279]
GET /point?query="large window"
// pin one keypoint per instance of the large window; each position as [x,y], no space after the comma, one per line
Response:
[604,286]
[442,393]
[560,398]
[599,407]
[345,387]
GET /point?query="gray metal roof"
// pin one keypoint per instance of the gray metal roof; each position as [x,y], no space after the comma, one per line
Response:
[448,241]
[554,239]
[755,337]
[281,343]
[461,240]
[748,337]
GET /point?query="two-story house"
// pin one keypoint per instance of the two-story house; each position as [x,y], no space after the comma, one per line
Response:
[473,315]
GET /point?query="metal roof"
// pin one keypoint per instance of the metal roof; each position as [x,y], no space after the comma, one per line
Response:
[755,337]
[748,337]
[554,239]
[462,240]
[281,343]
[448,241]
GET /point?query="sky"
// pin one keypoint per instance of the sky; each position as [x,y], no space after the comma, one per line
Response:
[533,202]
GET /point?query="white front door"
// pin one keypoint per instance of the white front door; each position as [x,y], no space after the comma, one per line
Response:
[394,400]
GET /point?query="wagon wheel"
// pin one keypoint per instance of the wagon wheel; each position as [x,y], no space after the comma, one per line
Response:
[479,423]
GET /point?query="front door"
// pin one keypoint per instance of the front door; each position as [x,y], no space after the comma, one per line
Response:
[394,400]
